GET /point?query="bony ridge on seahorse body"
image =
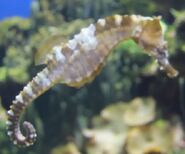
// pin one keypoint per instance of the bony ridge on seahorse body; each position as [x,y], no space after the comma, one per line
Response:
[82,58]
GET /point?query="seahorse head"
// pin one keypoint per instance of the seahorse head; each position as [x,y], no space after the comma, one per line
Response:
[150,36]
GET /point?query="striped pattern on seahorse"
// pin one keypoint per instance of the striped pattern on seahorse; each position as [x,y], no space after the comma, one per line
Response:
[31,91]
[75,64]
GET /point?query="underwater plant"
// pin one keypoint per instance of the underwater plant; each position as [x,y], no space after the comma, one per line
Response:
[79,61]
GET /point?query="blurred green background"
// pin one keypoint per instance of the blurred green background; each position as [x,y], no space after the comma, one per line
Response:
[63,113]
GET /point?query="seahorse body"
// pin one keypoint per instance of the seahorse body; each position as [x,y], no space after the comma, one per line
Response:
[82,58]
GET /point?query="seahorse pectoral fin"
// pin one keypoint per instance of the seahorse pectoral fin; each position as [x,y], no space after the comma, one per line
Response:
[47,47]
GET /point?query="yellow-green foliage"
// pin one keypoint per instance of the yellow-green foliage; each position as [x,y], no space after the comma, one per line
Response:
[7,30]
[69,148]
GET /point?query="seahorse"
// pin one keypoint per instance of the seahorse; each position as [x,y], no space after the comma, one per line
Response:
[79,61]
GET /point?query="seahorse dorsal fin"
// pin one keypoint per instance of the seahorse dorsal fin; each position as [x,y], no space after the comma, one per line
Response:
[46,48]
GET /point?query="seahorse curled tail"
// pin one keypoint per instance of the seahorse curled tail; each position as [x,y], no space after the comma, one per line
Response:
[31,91]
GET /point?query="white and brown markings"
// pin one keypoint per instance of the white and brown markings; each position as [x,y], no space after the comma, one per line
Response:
[78,62]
